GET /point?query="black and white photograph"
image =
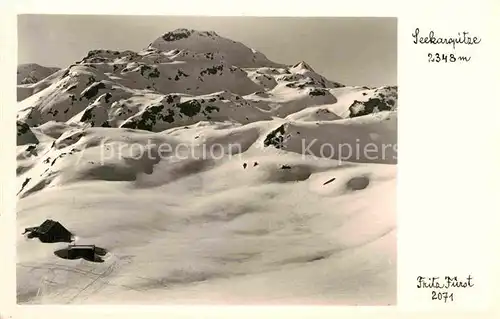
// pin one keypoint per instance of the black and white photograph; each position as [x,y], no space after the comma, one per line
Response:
[179,160]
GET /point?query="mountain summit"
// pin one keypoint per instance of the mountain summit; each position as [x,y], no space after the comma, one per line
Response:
[235,53]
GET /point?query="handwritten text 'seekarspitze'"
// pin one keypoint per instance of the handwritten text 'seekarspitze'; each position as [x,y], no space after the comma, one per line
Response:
[462,38]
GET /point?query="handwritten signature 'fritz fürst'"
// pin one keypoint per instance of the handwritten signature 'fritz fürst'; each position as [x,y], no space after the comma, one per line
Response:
[447,282]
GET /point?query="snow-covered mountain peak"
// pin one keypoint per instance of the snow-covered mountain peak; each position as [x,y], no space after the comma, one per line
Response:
[183,33]
[302,65]
[236,53]
[29,73]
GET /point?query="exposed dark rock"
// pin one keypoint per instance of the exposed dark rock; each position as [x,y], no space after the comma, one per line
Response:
[87,115]
[170,99]
[26,181]
[149,117]
[211,108]
[276,137]
[143,68]
[66,72]
[190,108]
[317,92]
[178,35]
[53,112]
[90,80]
[107,96]
[384,99]
[92,90]
[359,108]
[31,150]
[212,70]
[155,73]
[22,128]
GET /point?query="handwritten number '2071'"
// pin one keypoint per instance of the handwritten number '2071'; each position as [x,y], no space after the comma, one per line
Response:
[444,296]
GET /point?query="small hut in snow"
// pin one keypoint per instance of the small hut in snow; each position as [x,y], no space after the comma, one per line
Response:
[50,231]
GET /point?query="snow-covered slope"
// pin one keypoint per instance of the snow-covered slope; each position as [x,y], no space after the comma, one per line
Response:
[32,78]
[206,173]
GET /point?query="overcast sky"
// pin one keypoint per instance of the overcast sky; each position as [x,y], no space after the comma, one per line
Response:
[353,51]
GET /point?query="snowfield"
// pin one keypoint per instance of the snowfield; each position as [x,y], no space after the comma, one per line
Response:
[205,173]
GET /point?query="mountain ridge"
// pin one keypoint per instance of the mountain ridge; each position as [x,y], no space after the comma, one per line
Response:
[190,63]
